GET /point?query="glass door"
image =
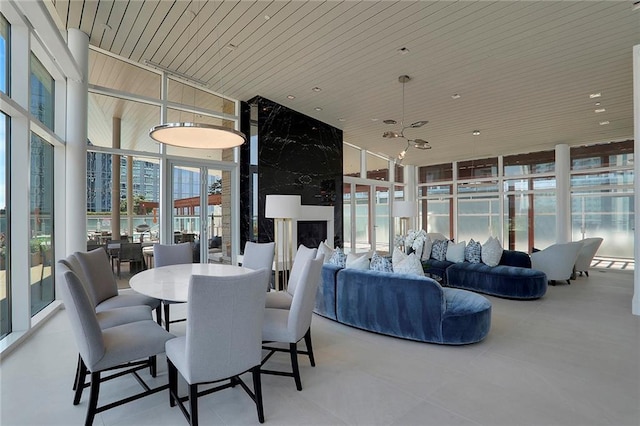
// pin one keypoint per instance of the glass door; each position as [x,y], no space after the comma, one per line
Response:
[201,211]
[382,233]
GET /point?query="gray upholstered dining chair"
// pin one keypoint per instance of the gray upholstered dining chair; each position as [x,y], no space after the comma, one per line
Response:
[94,270]
[292,325]
[282,299]
[128,347]
[165,255]
[259,256]
[223,338]
[109,317]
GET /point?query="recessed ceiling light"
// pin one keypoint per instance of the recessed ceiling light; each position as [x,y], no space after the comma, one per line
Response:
[374,119]
[342,119]
[604,123]
[600,110]
[267,17]
[318,109]
[597,103]
[389,121]
[403,50]
[455,96]
[476,133]
[595,95]
[291,97]
[317,89]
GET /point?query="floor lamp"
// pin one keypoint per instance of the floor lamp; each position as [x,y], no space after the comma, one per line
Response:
[404,210]
[282,209]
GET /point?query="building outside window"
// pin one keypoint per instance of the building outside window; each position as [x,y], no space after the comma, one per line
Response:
[42,93]
[42,242]
[5,270]
[4,54]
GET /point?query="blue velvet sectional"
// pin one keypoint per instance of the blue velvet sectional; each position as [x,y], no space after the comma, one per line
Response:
[513,278]
[406,306]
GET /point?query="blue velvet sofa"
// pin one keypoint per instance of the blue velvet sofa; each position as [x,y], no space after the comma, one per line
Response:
[406,306]
[513,278]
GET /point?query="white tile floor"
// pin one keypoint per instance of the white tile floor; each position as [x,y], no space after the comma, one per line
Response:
[570,358]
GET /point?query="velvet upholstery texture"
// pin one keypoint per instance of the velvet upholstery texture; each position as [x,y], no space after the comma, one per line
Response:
[326,293]
[511,282]
[410,307]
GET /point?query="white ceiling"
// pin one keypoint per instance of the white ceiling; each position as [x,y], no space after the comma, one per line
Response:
[524,70]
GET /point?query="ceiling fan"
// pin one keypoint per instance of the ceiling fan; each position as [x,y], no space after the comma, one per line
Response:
[389,134]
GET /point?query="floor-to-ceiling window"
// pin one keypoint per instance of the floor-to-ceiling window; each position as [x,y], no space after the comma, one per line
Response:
[602,196]
[41,242]
[5,270]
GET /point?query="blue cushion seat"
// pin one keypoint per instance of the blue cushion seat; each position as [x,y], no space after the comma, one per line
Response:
[511,282]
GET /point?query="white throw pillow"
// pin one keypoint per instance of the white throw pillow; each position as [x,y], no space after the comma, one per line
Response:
[455,251]
[426,249]
[491,252]
[397,256]
[410,265]
[357,261]
[323,248]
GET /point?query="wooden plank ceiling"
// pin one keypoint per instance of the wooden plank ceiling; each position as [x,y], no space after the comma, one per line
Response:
[523,70]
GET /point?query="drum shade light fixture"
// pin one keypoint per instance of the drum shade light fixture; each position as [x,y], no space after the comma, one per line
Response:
[197,135]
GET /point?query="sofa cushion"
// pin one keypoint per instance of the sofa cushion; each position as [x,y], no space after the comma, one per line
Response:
[327,251]
[380,263]
[426,248]
[515,258]
[473,251]
[439,249]
[491,252]
[410,265]
[357,261]
[397,256]
[338,258]
[455,251]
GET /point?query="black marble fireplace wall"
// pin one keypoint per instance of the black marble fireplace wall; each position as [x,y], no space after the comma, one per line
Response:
[296,155]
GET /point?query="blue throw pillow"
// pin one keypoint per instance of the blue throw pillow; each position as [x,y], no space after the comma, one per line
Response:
[380,263]
[338,258]
[439,249]
[473,252]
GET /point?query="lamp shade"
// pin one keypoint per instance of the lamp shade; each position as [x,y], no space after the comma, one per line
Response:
[282,206]
[405,209]
[197,135]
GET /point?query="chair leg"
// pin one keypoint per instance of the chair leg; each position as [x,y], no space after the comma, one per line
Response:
[307,342]
[93,399]
[75,379]
[569,282]
[173,382]
[293,350]
[586,273]
[166,315]
[159,314]
[193,405]
[257,390]
[153,368]
[82,375]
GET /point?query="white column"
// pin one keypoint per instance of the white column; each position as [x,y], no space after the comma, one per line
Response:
[636,179]
[563,194]
[76,151]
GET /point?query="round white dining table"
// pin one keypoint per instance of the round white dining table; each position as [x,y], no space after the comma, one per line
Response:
[172,282]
